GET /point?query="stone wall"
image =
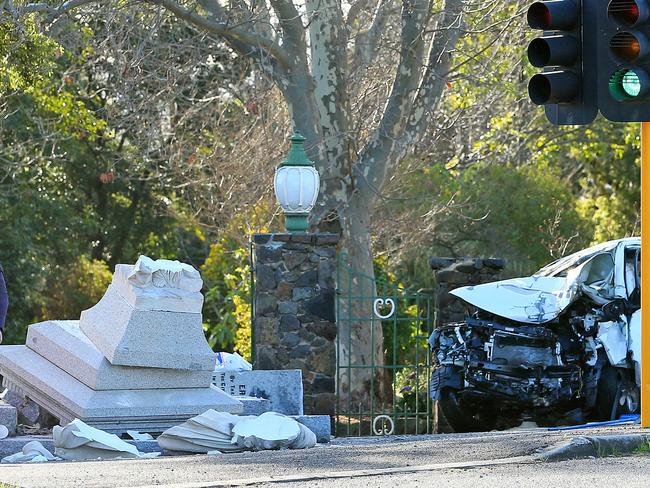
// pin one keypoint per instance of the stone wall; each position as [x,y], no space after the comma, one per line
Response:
[451,273]
[294,314]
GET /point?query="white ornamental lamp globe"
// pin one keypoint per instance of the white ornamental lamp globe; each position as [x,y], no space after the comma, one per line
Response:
[296,185]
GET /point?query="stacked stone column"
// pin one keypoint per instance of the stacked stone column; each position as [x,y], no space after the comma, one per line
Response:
[294,318]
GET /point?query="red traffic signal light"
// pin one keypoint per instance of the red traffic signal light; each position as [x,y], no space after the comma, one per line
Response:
[628,13]
[553,15]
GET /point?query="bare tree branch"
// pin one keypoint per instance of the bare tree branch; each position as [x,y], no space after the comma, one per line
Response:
[45,8]
[376,161]
[224,30]
[365,46]
[435,76]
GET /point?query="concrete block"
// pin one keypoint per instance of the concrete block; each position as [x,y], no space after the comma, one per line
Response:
[9,417]
[29,413]
[283,388]
[321,425]
[254,406]
[165,299]
[68,398]
[64,344]
[130,337]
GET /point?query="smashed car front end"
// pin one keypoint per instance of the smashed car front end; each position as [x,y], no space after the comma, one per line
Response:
[535,347]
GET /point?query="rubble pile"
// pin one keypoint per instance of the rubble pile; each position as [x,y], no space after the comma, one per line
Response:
[136,360]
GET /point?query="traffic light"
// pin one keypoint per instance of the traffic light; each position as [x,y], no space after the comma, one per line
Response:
[566,50]
[624,60]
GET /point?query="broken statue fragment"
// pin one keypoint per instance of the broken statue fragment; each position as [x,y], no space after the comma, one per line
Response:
[219,431]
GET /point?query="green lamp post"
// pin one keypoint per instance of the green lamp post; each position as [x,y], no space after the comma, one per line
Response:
[296,185]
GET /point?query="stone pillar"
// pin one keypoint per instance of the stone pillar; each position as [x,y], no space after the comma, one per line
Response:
[452,273]
[294,318]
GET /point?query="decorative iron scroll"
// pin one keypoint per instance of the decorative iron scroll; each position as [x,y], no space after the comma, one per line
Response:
[380,302]
[385,421]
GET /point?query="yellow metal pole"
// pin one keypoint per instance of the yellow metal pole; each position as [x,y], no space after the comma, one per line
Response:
[645,274]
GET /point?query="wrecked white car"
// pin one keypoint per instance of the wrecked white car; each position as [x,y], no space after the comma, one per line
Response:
[562,346]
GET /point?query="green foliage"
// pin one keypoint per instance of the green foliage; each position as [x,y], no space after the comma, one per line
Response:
[74,199]
[403,339]
[227,276]
[76,287]
[226,312]
[26,56]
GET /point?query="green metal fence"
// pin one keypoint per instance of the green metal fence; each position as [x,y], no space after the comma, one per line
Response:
[383,362]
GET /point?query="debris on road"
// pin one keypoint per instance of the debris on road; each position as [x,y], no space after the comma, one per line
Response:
[624,419]
[32,452]
[219,431]
[137,436]
[272,430]
[78,441]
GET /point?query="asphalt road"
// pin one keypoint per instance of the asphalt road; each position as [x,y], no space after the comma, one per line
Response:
[476,460]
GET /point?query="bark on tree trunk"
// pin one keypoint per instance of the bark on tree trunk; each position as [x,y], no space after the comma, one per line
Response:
[360,340]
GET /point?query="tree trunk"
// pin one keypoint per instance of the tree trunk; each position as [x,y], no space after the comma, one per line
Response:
[360,336]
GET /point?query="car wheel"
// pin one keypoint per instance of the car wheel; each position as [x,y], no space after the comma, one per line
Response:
[617,394]
[463,416]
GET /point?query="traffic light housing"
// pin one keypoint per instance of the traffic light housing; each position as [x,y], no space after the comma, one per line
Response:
[624,60]
[566,52]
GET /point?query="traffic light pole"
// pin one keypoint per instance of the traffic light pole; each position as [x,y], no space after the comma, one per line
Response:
[645,274]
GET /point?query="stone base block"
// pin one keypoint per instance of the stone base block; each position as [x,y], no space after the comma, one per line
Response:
[9,417]
[254,406]
[152,339]
[321,425]
[64,344]
[115,411]
[283,388]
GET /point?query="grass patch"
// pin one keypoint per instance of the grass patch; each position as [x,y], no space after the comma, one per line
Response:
[643,449]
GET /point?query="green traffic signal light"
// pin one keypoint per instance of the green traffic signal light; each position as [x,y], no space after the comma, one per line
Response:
[628,84]
[631,84]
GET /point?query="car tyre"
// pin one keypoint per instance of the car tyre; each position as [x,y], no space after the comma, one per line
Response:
[464,417]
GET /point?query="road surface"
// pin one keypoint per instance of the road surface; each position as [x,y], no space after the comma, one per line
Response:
[472,460]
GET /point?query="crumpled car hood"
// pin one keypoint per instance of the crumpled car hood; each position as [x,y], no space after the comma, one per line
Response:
[532,300]
[545,295]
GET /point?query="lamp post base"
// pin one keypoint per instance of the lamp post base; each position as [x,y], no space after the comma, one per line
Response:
[296,223]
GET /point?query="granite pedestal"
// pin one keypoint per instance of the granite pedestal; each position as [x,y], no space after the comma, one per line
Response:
[64,344]
[127,336]
[112,410]
[138,360]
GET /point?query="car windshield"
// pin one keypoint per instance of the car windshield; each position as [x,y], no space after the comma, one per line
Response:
[562,266]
